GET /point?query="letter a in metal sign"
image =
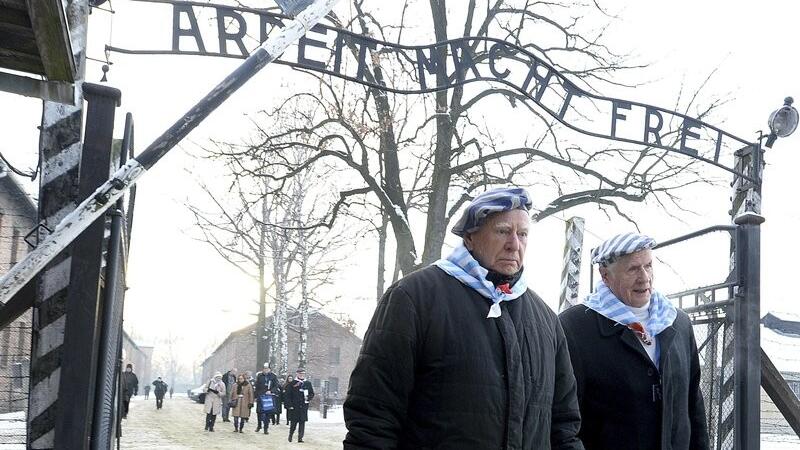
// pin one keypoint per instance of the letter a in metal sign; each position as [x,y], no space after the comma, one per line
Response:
[292,7]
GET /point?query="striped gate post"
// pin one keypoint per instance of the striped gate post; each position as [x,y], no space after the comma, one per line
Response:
[571,273]
[60,147]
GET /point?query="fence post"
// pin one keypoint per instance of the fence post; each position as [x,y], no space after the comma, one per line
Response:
[747,318]
[571,273]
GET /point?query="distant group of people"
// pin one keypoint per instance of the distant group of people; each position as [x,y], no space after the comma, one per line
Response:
[233,394]
[130,388]
[462,354]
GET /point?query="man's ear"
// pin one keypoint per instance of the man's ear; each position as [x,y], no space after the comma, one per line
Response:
[468,241]
[603,274]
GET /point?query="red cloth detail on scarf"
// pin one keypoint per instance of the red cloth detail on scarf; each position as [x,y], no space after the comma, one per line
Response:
[504,288]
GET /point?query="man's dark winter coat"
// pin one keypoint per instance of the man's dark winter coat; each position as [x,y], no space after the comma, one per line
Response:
[434,372]
[266,382]
[295,399]
[619,387]
[130,385]
[160,388]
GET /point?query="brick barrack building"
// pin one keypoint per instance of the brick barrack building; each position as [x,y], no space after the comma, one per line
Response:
[331,353]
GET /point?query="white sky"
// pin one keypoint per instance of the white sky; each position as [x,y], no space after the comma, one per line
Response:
[180,284]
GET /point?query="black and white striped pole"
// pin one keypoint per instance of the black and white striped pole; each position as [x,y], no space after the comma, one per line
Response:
[106,195]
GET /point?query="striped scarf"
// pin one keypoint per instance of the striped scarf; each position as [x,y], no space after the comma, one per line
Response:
[662,311]
[463,267]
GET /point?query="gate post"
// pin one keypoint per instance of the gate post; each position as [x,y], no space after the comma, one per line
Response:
[82,327]
[747,321]
[747,306]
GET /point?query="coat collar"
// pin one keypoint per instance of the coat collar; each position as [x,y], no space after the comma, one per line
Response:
[608,328]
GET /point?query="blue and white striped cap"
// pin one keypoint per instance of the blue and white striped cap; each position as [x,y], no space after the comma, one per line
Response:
[491,201]
[621,244]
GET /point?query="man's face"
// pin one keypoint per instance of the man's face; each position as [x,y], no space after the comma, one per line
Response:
[300,376]
[630,278]
[499,244]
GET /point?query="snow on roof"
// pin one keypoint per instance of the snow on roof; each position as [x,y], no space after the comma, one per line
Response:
[785,316]
[783,350]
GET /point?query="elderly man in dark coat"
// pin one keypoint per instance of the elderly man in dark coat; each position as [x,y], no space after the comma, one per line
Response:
[635,358]
[461,354]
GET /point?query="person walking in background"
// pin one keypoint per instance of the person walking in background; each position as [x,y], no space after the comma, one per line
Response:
[229,379]
[146,391]
[275,417]
[159,389]
[285,393]
[300,394]
[130,387]
[170,392]
[266,383]
[215,392]
[635,357]
[243,397]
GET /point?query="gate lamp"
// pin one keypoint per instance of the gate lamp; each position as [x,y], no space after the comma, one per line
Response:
[782,122]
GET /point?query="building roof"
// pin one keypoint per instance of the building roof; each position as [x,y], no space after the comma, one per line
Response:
[250,329]
[780,339]
[782,323]
[35,40]
[11,185]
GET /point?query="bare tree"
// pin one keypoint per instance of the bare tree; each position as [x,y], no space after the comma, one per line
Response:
[260,228]
[429,154]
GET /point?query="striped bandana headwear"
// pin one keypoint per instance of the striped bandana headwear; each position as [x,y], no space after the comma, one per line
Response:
[463,267]
[491,201]
[620,245]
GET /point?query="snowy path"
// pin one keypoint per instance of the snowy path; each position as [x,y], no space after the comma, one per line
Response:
[179,426]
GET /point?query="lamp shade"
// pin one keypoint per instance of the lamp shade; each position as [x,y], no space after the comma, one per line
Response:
[783,121]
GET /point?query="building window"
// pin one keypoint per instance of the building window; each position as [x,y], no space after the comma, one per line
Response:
[795,385]
[6,347]
[16,374]
[333,355]
[333,385]
[21,335]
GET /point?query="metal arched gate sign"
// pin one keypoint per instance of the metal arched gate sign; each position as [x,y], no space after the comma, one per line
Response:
[439,66]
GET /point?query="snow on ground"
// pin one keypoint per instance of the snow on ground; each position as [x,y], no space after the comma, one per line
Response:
[12,431]
[179,426]
[779,442]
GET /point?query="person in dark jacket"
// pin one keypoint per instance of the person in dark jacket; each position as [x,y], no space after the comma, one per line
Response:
[275,416]
[159,390]
[146,391]
[229,379]
[635,358]
[299,396]
[266,384]
[284,393]
[130,387]
[461,354]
